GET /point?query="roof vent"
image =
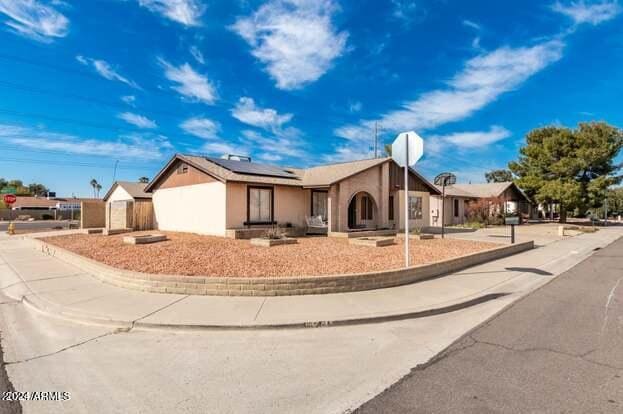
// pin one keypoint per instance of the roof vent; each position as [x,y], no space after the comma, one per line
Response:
[235,157]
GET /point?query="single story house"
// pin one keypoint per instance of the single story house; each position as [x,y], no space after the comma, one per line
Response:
[458,197]
[128,206]
[213,196]
[45,207]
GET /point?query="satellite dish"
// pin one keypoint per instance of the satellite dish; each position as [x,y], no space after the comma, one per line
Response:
[444,179]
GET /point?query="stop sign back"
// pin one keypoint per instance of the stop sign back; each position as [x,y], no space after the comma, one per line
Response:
[9,199]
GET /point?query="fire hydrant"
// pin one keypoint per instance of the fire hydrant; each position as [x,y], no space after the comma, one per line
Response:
[11,229]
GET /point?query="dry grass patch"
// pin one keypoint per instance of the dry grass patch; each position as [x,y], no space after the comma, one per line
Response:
[195,255]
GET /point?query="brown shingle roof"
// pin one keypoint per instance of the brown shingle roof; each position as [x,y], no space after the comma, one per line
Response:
[36,202]
[480,190]
[325,175]
[319,176]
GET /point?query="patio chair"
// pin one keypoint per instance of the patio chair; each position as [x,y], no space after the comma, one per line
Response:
[315,225]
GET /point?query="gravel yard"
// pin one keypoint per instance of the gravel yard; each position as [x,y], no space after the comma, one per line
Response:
[195,255]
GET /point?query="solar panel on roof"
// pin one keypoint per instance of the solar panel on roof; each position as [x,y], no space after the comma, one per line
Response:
[245,167]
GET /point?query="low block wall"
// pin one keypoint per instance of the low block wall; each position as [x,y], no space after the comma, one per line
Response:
[275,286]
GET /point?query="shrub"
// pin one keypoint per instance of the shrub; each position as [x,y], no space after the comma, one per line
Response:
[47,217]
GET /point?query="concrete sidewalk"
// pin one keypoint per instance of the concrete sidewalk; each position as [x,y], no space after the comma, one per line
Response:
[62,290]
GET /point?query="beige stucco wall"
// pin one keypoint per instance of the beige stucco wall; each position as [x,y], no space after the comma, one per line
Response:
[291,205]
[424,221]
[374,181]
[198,208]
[119,194]
[449,217]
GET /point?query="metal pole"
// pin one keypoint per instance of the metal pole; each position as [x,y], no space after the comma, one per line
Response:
[443,207]
[407,202]
[606,212]
[512,234]
[376,140]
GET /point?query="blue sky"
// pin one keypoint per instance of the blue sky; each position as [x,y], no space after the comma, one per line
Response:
[87,85]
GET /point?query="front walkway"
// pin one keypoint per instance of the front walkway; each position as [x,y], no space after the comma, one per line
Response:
[56,288]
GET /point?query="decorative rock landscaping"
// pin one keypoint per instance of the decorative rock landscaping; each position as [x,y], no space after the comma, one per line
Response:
[273,286]
[197,255]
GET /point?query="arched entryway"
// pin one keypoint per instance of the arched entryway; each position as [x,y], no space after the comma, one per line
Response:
[362,211]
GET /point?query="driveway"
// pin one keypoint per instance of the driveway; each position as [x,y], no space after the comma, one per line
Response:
[542,234]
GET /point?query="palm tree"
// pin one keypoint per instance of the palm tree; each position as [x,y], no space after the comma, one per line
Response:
[94,184]
[143,180]
[98,187]
[388,150]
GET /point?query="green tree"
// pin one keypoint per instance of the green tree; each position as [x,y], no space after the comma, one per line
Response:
[143,180]
[499,176]
[94,185]
[36,189]
[573,167]
[388,150]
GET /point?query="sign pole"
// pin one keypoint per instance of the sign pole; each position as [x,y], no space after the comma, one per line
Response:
[443,207]
[407,203]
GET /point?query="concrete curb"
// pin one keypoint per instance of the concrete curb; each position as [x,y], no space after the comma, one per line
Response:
[272,286]
[57,312]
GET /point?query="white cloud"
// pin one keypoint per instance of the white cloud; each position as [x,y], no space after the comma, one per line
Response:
[34,19]
[295,39]
[286,143]
[106,70]
[248,112]
[137,120]
[471,24]
[201,127]
[131,146]
[466,140]
[129,99]
[407,11]
[355,106]
[588,12]
[481,81]
[190,84]
[223,148]
[350,153]
[196,53]
[186,12]
[270,157]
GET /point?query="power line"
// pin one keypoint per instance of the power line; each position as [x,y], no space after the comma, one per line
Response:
[65,163]
[119,129]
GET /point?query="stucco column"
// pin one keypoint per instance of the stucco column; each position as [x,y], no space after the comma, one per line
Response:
[384,196]
[333,213]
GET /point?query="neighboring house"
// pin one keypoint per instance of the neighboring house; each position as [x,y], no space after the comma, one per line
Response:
[213,195]
[45,207]
[128,206]
[458,197]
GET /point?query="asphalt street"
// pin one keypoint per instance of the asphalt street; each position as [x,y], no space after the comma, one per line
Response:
[558,350]
[6,407]
[38,225]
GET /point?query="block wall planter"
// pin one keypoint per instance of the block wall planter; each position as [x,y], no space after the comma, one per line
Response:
[263,242]
[274,286]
